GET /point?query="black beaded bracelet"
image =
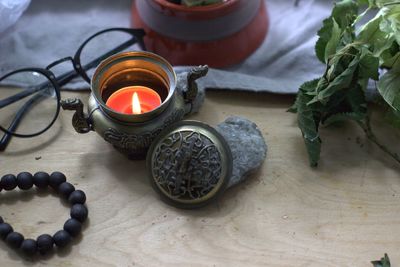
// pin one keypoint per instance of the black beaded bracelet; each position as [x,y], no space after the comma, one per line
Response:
[45,243]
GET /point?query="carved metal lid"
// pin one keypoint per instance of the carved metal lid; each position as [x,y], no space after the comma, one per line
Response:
[189,164]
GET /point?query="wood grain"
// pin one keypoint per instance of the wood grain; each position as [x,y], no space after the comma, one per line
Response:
[345,213]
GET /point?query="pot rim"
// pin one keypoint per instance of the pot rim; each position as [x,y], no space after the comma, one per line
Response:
[132,55]
[197,9]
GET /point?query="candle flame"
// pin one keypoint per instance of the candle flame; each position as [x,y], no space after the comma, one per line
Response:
[136,108]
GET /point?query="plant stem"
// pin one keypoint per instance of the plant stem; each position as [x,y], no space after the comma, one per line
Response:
[392,3]
[372,137]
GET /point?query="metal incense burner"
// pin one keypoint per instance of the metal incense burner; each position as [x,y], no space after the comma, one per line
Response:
[133,134]
[190,164]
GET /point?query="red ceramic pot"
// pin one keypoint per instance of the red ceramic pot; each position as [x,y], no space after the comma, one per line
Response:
[218,35]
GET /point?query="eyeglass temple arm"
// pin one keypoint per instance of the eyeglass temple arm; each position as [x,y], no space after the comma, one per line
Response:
[67,77]
[96,62]
[64,78]
[5,140]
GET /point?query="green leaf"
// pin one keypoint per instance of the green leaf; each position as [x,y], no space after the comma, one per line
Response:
[369,65]
[372,35]
[334,28]
[389,86]
[324,36]
[389,56]
[391,21]
[308,123]
[384,262]
[333,42]
[345,105]
[345,12]
[389,62]
[355,98]
[293,108]
[380,32]
[364,2]
[340,82]
[382,3]
[377,3]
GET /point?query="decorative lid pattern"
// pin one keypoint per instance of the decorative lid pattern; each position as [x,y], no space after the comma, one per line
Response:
[189,164]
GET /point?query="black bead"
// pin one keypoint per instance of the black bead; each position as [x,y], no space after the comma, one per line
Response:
[29,247]
[79,212]
[77,197]
[45,243]
[73,227]
[5,229]
[14,239]
[8,182]
[65,189]
[25,180]
[41,179]
[56,178]
[62,238]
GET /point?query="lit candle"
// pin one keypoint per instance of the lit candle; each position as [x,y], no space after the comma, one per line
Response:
[134,100]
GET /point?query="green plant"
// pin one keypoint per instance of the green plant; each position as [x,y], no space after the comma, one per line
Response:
[353,56]
[384,262]
[200,2]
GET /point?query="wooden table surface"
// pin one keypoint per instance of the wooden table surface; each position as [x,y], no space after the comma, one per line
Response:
[344,213]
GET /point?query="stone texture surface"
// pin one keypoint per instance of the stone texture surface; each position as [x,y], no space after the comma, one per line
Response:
[247,144]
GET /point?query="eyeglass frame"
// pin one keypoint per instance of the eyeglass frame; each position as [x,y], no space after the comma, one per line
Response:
[58,82]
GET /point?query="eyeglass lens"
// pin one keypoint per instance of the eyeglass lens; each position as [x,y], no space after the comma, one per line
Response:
[33,102]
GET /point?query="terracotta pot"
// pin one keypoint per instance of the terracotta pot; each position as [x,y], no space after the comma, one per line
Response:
[218,35]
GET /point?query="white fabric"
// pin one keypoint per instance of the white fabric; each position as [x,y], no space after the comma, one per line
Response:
[10,11]
[50,30]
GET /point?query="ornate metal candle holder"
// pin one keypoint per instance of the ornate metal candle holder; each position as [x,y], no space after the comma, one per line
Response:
[133,134]
[190,163]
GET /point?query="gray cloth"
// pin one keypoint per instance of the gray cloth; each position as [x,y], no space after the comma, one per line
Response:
[50,30]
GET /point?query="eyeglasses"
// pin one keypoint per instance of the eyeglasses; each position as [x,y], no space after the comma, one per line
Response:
[33,94]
